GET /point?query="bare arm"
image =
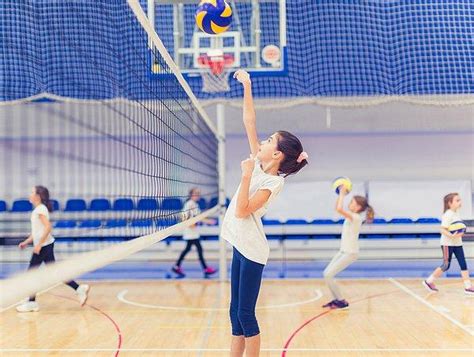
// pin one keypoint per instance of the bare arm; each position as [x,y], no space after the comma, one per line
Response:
[339,204]
[26,242]
[447,233]
[249,116]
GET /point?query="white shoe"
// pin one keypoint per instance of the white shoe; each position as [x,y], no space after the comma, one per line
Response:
[82,293]
[29,306]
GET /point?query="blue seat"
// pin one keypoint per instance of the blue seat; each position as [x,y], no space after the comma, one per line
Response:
[65,224]
[166,222]
[401,221]
[147,204]
[22,206]
[379,221]
[99,204]
[324,221]
[115,223]
[3,206]
[213,202]
[55,205]
[142,223]
[90,223]
[172,204]
[296,221]
[202,204]
[428,220]
[123,204]
[75,205]
[271,222]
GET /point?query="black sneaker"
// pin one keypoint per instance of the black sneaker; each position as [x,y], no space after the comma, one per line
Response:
[330,304]
[340,304]
[179,271]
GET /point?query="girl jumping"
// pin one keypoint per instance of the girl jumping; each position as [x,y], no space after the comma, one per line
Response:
[262,179]
[349,251]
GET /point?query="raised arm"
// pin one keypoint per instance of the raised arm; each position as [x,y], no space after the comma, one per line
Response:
[339,203]
[249,116]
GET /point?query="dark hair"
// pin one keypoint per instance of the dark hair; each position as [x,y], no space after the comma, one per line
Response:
[364,206]
[448,199]
[44,196]
[191,191]
[291,148]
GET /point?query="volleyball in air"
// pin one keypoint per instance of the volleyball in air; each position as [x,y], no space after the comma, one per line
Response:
[342,181]
[457,227]
[213,16]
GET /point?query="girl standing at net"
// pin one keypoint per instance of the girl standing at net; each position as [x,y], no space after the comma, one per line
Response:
[43,245]
[349,251]
[191,235]
[450,243]
[262,180]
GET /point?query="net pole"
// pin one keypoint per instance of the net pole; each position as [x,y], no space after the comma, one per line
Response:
[222,197]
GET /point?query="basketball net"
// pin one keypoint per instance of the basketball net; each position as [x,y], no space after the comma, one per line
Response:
[215,76]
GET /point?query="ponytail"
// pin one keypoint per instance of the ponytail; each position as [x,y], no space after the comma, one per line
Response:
[44,197]
[364,206]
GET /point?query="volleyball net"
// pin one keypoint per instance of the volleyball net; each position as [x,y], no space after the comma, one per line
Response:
[118,151]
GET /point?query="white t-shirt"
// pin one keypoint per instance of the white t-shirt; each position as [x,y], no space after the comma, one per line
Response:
[37,227]
[246,234]
[448,218]
[191,209]
[350,234]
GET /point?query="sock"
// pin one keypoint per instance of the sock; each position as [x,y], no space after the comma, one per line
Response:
[430,279]
[467,283]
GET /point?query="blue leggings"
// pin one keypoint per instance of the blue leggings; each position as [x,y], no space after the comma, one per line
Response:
[246,277]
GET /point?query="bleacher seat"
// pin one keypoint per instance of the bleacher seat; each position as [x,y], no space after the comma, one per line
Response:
[214,200]
[147,204]
[401,220]
[166,222]
[379,221]
[428,220]
[123,204]
[55,204]
[75,205]
[296,221]
[90,223]
[116,223]
[22,206]
[3,206]
[202,204]
[142,223]
[99,204]
[271,222]
[65,224]
[324,221]
[172,204]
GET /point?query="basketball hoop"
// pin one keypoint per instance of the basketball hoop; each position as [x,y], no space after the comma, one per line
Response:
[215,76]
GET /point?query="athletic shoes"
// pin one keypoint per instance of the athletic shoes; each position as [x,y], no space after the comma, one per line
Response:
[340,304]
[179,271]
[209,271]
[29,306]
[469,291]
[82,293]
[430,286]
[330,304]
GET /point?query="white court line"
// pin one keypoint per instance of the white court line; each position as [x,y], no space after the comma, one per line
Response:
[227,350]
[121,297]
[431,306]
[19,302]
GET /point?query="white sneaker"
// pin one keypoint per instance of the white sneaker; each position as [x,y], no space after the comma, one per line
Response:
[82,293]
[29,306]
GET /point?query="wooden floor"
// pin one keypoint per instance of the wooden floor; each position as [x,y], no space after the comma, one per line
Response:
[190,318]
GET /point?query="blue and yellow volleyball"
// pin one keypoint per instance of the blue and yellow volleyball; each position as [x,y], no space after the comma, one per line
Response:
[213,16]
[342,181]
[457,227]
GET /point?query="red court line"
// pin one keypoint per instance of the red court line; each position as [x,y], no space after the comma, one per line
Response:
[306,323]
[117,327]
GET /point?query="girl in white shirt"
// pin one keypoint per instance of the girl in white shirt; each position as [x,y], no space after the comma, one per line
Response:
[43,245]
[262,180]
[450,243]
[349,250]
